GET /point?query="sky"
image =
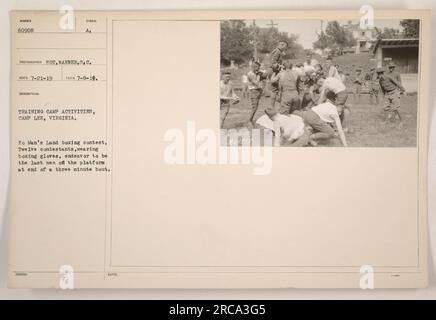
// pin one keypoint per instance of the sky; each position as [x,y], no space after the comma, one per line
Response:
[307,29]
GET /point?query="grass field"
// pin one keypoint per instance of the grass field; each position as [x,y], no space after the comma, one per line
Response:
[367,121]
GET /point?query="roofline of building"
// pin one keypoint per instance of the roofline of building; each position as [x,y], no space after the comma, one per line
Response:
[379,41]
[398,39]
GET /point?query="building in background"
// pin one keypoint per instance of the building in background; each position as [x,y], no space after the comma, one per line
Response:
[364,38]
[403,52]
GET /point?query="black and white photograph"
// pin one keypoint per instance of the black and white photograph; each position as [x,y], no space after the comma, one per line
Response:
[322,83]
[259,152]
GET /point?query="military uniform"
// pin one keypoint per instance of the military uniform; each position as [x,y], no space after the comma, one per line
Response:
[391,89]
[275,67]
[358,81]
[374,86]
[395,75]
[276,59]
[226,91]
[313,120]
[290,97]
[254,88]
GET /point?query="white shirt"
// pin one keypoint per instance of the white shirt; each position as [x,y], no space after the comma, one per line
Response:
[253,80]
[297,71]
[308,67]
[265,122]
[226,90]
[327,112]
[291,127]
[334,73]
[334,85]
[343,78]
[244,78]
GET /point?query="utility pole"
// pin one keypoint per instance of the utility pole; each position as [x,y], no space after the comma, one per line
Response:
[254,39]
[272,24]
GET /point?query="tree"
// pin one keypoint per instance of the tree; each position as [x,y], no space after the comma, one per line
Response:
[335,38]
[240,42]
[295,49]
[323,42]
[387,33]
[339,36]
[254,31]
[410,28]
[270,37]
[235,42]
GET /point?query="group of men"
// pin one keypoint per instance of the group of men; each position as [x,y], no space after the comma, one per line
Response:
[371,80]
[306,102]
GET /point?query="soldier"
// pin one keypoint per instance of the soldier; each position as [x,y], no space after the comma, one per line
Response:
[374,86]
[358,81]
[311,92]
[319,70]
[330,114]
[332,70]
[392,90]
[303,85]
[298,69]
[277,56]
[228,96]
[343,76]
[341,97]
[318,128]
[288,130]
[308,65]
[288,85]
[335,85]
[254,87]
[394,74]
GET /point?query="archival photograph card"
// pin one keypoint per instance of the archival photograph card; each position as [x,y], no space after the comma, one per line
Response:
[219,149]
